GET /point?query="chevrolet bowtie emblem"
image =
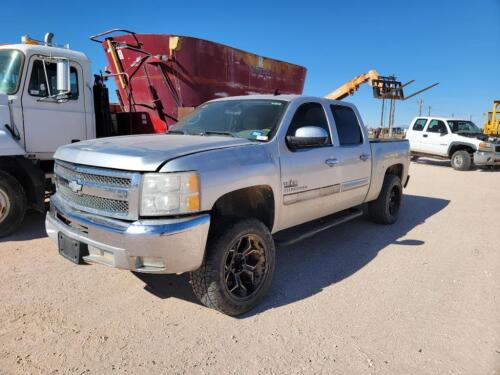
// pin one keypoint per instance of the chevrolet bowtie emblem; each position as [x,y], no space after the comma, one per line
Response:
[75,186]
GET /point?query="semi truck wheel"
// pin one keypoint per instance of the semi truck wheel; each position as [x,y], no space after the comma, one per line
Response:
[461,160]
[12,204]
[385,209]
[238,267]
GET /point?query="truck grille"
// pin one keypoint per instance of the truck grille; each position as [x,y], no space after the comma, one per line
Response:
[100,191]
[70,174]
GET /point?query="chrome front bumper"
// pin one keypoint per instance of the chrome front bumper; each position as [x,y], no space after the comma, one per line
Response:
[486,158]
[149,246]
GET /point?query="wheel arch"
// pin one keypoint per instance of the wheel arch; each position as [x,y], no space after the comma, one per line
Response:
[456,146]
[395,169]
[251,202]
[29,176]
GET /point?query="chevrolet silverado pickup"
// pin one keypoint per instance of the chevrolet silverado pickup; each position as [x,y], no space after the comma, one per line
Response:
[214,194]
[460,141]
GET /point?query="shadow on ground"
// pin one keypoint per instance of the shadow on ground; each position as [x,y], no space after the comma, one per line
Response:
[446,164]
[305,268]
[33,227]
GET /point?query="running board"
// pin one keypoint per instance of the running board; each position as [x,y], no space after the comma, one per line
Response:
[301,232]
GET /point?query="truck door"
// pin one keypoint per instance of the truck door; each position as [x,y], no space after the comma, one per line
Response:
[49,124]
[310,182]
[415,134]
[436,138]
[354,157]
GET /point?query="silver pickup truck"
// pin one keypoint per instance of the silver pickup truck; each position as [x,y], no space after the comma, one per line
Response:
[213,195]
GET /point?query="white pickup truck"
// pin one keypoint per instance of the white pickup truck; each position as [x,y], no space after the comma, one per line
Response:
[213,195]
[460,141]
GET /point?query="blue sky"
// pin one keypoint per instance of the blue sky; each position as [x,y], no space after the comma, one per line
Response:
[456,43]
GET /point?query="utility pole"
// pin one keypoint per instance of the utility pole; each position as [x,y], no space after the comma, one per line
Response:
[382,114]
[392,111]
[430,110]
[420,103]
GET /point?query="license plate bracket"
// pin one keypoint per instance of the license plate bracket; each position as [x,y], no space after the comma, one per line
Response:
[71,249]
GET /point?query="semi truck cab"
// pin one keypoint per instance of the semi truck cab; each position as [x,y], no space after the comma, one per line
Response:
[34,107]
[46,100]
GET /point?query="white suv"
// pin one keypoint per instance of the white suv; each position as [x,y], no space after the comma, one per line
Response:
[461,141]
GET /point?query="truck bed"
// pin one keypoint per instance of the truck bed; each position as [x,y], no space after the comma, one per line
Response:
[386,152]
[387,140]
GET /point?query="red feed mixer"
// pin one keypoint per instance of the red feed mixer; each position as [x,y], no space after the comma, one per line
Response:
[163,77]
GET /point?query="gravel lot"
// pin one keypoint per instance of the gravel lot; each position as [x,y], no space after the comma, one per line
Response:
[421,297]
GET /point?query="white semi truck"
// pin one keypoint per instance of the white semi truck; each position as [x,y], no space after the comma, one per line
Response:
[46,100]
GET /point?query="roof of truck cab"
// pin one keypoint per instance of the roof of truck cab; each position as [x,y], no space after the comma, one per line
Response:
[40,49]
[441,118]
[284,97]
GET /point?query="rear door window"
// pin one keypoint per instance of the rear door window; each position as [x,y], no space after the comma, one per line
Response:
[419,125]
[347,124]
[437,126]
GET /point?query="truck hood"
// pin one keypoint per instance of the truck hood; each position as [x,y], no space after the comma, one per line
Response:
[475,139]
[145,153]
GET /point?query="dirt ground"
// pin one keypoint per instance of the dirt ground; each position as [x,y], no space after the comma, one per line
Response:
[419,297]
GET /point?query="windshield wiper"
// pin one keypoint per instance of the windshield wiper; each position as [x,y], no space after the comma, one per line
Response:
[218,133]
[175,132]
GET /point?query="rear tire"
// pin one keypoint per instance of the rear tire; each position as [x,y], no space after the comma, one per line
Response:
[461,160]
[385,209]
[238,267]
[12,204]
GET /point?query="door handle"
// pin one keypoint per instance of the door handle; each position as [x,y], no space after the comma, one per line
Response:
[425,135]
[364,157]
[331,162]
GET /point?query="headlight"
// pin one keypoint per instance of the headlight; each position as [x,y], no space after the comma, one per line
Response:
[170,193]
[485,146]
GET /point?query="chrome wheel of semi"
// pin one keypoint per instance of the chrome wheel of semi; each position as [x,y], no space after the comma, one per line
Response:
[4,205]
[12,204]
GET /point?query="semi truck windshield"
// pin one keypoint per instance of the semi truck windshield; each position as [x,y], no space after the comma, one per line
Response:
[11,62]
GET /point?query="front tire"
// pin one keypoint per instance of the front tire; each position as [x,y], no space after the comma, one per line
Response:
[238,267]
[461,160]
[12,204]
[385,209]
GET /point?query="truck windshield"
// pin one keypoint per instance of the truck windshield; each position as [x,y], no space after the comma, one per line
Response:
[11,62]
[460,126]
[253,119]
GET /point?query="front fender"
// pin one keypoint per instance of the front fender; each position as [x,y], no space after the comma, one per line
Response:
[460,143]
[226,170]
[8,145]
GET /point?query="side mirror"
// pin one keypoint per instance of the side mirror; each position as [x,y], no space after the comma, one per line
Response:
[63,84]
[443,132]
[307,136]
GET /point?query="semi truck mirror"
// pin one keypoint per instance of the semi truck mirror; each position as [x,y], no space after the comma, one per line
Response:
[63,85]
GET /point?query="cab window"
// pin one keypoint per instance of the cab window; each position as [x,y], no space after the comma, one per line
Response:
[419,125]
[309,114]
[39,87]
[437,126]
[347,125]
